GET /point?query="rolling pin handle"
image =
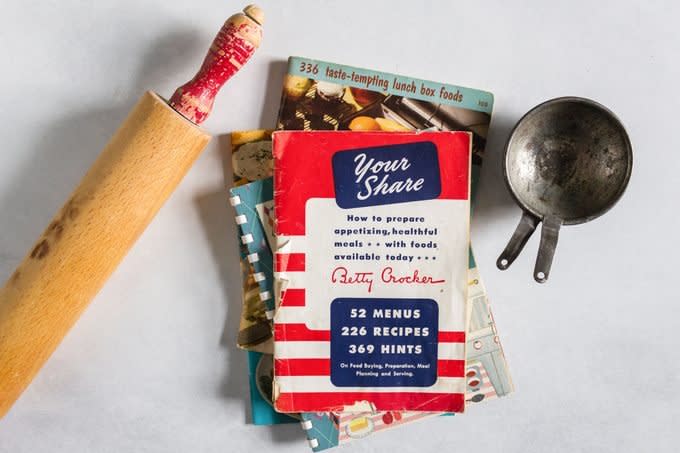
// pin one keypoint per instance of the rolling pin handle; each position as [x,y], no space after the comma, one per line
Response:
[132,177]
[233,46]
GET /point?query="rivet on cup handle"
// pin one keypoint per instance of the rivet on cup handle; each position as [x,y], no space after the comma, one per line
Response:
[567,161]
[550,231]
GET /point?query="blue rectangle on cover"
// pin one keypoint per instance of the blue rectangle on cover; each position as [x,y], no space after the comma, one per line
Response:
[378,342]
[386,175]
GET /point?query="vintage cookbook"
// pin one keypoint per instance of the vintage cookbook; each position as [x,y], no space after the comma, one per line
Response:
[250,201]
[253,203]
[485,373]
[372,233]
[320,95]
[251,160]
[247,199]
[326,430]
[331,96]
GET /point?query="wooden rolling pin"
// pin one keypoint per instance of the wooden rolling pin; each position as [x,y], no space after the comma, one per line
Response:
[115,201]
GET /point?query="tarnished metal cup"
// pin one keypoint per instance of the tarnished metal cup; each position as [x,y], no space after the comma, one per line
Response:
[567,161]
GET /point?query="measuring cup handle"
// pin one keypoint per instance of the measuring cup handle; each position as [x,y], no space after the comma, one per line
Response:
[546,250]
[527,225]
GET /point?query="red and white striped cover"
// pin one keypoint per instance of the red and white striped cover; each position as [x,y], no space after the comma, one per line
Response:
[301,326]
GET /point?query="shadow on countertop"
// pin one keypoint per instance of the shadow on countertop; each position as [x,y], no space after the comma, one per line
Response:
[65,150]
[221,231]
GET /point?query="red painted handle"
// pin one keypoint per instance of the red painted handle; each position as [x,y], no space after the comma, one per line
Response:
[234,44]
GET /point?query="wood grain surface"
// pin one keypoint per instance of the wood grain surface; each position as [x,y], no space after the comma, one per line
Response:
[90,235]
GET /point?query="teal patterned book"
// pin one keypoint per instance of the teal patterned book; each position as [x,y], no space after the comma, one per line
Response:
[246,200]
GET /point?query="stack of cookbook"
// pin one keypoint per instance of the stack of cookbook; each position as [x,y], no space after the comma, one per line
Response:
[363,308]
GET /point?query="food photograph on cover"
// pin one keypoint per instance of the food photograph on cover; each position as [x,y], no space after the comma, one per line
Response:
[283,227]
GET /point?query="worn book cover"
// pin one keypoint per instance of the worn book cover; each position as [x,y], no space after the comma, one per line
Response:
[485,378]
[320,95]
[372,236]
[325,430]
[251,160]
[247,199]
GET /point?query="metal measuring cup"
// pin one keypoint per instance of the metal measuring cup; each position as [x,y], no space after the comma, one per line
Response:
[567,161]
